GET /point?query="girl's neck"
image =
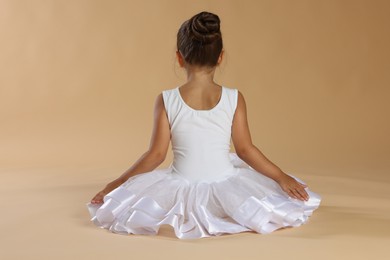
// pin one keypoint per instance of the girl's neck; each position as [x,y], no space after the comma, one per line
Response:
[200,77]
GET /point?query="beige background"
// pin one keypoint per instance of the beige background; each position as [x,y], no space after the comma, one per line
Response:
[77,84]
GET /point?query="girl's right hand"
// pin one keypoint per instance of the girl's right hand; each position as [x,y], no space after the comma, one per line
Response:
[293,188]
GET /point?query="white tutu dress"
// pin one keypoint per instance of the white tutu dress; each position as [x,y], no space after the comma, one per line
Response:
[206,190]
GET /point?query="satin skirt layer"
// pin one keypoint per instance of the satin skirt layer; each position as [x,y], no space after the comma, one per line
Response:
[241,201]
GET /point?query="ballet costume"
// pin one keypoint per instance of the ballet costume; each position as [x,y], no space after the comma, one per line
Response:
[206,190]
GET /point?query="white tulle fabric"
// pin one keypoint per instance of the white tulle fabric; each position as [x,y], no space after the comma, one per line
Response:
[207,190]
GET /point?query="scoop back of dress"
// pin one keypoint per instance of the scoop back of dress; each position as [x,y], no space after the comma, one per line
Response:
[207,190]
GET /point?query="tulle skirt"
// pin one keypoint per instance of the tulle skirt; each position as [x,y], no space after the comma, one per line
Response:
[245,201]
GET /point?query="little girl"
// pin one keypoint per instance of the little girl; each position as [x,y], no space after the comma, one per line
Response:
[207,190]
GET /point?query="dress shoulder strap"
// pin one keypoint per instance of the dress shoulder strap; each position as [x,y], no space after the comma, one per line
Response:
[231,100]
[170,103]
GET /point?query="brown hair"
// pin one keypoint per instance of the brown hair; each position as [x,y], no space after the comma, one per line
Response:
[199,39]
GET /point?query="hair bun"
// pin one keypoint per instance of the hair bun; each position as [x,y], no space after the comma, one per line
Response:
[205,27]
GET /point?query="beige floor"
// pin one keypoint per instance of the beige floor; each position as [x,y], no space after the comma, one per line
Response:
[45,218]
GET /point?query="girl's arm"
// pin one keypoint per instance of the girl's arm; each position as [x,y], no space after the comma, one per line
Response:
[250,154]
[152,158]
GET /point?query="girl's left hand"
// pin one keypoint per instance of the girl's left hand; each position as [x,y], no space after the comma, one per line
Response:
[293,188]
[99,197]
[109,187]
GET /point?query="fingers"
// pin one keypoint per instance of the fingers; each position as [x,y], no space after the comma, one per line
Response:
[96,201]
[293,194]
[302,194]
[298,194]
[98,198]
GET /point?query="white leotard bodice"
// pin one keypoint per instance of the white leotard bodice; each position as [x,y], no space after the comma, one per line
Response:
[201,138]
